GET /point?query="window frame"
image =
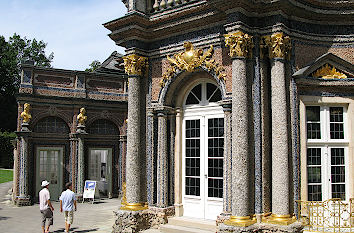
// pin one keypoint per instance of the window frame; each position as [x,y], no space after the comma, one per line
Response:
[326,144]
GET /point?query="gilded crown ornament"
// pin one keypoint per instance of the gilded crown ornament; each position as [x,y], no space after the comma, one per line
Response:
[191,59]
[135,64]
[240,44]
[81,118]
[26,115]
[328,72]
[278,45]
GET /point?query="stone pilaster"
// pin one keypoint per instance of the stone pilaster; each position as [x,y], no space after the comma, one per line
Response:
[227,189]
[178,165]
[23,198]
[15,170]
[162,159]
[151,151]
[135,66]
[171,162]
[240,48]
[73,153]
[278,47]
[266,138]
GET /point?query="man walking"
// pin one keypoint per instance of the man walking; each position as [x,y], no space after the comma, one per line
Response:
[67,202]
[45,206]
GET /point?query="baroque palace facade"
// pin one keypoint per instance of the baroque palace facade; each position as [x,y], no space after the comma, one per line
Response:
[236,110]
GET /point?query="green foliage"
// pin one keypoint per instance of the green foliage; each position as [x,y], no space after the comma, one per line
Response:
[5,175]
[12,53]
[6,149]
[93,66]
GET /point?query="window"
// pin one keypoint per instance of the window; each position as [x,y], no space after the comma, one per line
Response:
[103,127]
[203,94]
[326,152]
[51,125]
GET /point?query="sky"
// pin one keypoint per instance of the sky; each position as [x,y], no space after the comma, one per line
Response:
[72,29]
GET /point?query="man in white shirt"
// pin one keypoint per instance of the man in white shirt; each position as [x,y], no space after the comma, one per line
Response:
[45,206]
[67,203]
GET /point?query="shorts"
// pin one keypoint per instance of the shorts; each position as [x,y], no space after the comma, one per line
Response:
[47,214]
[69,217]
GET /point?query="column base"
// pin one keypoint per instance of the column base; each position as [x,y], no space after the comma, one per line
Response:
[178,210]
[224,216]
[279,219]
[261,228]
[134,206]
[240,221]
[139,220]
[23,201]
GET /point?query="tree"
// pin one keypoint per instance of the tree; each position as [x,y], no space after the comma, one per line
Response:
[94,66]
[12,53]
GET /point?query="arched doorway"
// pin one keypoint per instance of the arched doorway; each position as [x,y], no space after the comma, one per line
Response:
[202,151]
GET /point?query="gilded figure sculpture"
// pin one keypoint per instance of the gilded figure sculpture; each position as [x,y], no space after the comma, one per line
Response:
[279,46]
[191,59]
[26,115]
[81,118]
[240,44]
[328,72]
[135,64]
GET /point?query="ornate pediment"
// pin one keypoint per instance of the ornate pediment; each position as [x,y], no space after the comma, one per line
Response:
[328,72]
[191,59]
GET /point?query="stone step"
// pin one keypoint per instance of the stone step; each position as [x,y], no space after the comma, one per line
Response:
[192,223]
[167,228]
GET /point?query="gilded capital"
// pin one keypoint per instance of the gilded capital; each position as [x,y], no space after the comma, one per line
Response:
[26,115]
[135,64]
[240,44]
[278,45]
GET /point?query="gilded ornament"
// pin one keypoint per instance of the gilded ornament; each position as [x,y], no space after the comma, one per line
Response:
[191,59]
[278,45]
[124,190]
[26,115]
[81,118]
[328,72]
[134,64]
[240,44]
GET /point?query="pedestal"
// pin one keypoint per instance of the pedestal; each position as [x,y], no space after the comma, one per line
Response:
[261,228]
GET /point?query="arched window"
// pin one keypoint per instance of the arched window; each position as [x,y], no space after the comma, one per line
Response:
[51,125]
[203,94]
[103,127]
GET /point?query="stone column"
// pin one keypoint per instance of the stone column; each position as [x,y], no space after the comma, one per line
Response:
[150,153]
[279,47]
[135,168]
[80,165]
[73,153]
[23,199]
[240,49]
[162,159]
[178,165]
[15,170]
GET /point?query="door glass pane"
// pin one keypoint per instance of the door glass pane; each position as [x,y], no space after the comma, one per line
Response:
[215,157]
[338,173]
[314,182]
[336,123]
[313,122]
[192,172]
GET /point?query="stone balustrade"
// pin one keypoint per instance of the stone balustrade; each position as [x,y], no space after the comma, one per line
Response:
[160,5]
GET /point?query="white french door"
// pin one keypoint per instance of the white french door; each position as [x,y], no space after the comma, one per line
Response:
[49,163]
[202,169]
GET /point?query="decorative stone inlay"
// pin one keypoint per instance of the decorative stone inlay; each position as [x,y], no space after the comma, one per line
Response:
[328,72]
[191,59]
[135,64]
[240,44]
[261,228]
[278,45]
[26,115]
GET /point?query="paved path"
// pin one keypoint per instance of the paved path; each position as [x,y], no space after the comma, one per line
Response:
[97,217]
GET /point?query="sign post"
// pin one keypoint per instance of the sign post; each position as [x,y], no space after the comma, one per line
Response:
[89,190]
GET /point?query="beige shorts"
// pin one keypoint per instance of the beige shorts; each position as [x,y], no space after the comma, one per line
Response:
[69,217]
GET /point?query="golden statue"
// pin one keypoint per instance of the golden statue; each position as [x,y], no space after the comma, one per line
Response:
[82,117]
[26,115]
